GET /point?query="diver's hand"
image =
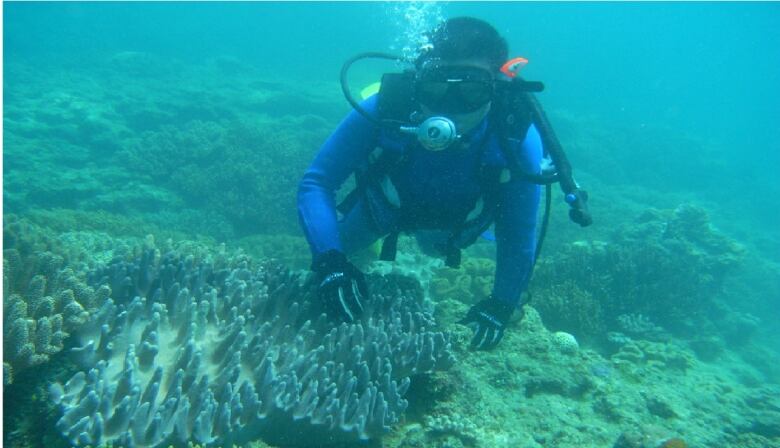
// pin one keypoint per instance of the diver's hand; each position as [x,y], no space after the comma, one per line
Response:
[341,286]
[488,319]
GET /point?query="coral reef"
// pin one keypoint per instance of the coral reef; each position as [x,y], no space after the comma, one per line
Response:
[247,172]
[529,393]
[472,282]
[445,426]
[289,250]
[565,342]
[636,355]
[212,349]
[568,306]
[638,325]
[232,147]
[668,267]
[44,299]
[410,260]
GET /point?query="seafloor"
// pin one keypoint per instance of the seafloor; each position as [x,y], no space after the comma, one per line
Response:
[654,327]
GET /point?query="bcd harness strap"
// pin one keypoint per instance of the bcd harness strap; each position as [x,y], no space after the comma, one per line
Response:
[469,227]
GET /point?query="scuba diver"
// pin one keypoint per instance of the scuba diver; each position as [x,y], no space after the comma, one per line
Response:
[442,151]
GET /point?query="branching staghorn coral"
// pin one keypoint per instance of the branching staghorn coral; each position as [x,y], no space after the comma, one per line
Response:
[186,350]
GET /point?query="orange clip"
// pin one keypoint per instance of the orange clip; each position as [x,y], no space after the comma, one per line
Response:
[512,67]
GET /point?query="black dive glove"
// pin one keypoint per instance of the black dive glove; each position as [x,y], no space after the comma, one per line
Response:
[488,319]
[341,286]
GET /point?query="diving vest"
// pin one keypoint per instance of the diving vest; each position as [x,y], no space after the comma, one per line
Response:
[375,186]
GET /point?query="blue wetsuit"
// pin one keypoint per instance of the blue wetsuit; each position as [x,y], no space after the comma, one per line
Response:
[433,187]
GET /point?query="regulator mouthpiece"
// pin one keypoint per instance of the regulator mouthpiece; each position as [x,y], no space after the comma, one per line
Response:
[435,133]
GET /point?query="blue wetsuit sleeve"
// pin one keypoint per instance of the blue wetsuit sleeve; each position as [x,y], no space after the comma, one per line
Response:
[347,148]
[516,223]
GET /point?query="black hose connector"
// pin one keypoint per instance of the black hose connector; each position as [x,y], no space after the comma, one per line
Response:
[345,83]
[575,197]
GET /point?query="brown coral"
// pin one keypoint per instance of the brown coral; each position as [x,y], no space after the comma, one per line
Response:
[43,301]
[472,282]
[668,266]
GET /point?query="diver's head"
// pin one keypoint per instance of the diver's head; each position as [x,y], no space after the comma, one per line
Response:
[464,38]
[456,71]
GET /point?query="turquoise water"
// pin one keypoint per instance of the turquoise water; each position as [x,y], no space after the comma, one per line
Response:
[195,121]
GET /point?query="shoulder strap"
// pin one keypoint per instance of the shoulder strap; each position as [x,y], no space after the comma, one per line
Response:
[373,171]
[511,116]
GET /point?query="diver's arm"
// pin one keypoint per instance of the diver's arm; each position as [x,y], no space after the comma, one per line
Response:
[346,149]
[516,224]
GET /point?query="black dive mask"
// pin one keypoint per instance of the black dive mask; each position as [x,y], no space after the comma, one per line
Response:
[454,89]
[444,89]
